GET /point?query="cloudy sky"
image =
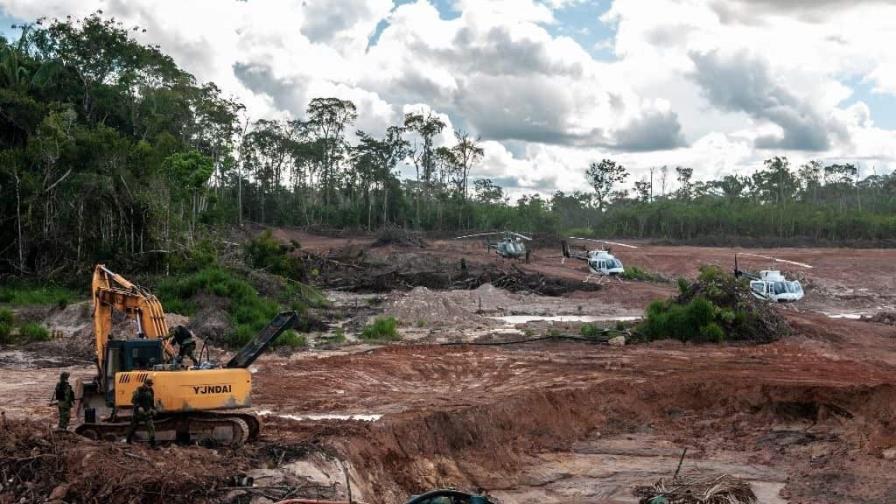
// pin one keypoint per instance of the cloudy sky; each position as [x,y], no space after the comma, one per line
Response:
[549,85]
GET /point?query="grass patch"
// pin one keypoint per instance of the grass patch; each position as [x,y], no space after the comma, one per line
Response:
[32,331]
[337,337]
[6,323]
[291,339]
[637,274]
[26,294]
[590,331]
[382,329]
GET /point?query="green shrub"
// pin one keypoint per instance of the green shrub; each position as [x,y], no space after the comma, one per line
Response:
[683,285]
[5,333]
[382,329]
[637,274]
[24,294]
[712,332]
[590,331]
[32,331]
[718,307]
[291,339]
[685,322]
[265,252]
[6,316]
[241,335]
[203,255]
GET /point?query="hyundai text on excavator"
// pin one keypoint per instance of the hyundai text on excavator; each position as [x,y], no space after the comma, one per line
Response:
[198,404]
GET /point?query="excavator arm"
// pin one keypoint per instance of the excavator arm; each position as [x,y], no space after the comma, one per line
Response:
[112,292]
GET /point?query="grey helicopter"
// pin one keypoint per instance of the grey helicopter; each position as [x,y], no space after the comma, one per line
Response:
[510,245]
[600,261]
[771,285]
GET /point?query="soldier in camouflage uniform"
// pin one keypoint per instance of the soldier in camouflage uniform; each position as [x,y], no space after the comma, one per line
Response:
[186,345]
[144,403]
[64,398]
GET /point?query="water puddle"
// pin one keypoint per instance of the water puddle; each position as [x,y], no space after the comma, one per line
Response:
[524,319]
[314,417]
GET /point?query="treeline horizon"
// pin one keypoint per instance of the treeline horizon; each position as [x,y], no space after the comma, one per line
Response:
[109,150]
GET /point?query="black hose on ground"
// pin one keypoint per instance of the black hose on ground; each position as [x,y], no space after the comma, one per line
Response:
[454,494]
[529,340]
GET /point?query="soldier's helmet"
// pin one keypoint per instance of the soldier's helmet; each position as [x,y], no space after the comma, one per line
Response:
[64,375]
[148,381]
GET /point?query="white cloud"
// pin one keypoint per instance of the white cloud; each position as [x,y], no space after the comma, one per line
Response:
[543,105]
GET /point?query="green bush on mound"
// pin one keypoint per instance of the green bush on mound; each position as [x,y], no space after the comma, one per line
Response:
[716,308]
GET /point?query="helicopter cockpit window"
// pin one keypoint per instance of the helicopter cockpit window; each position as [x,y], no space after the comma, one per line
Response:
[758,287]
[779,288]
[794,287]
[613,263]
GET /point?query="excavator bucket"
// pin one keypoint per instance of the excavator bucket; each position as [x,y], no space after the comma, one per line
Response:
[247,355]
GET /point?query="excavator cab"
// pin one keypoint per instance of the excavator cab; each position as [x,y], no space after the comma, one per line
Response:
[129,355]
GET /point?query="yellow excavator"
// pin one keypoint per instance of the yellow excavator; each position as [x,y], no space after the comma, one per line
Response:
[197,404]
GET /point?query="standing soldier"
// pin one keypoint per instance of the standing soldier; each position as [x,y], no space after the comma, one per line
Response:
[64,400]
[186,346]
[144,402]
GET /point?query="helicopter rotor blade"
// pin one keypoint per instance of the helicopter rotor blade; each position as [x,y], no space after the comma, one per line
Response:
[603,241]
[475,235]
[521,236]
[802,265]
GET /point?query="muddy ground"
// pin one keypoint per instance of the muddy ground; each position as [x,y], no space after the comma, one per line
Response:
[808,418]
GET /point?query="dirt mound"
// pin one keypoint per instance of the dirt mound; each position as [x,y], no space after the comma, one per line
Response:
[212,321]
[354,270]
[393,235]
[425,307]
[40,465]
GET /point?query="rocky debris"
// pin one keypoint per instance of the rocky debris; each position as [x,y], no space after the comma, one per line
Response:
[888,318]
[423,307]
[353,270]
[394,235]
[618,341]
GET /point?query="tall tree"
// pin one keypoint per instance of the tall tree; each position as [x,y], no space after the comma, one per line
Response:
[467,152]
[603,177]
[328,118]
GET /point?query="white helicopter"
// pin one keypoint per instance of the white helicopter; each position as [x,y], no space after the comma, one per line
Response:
[771,285]
[600,261]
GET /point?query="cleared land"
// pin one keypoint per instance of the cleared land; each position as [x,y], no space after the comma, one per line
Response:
[805,419]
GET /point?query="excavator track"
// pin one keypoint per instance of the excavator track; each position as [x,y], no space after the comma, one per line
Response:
[222,429]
